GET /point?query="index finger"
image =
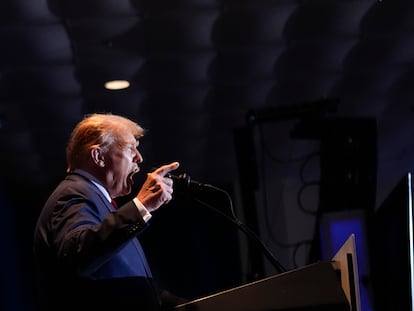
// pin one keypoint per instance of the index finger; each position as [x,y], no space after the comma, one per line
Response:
[163,170]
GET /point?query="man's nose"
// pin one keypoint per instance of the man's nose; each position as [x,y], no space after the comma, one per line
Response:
[138,157]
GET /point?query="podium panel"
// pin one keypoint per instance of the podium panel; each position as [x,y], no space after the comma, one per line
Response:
[313,287]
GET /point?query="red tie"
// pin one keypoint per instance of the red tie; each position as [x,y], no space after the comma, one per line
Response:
[114,203]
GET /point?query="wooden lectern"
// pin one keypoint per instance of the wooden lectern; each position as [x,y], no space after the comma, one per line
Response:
[315,287]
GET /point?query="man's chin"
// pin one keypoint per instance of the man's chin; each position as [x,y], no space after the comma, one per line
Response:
[128,187]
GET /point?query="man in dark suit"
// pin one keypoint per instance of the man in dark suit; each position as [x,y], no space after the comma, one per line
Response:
[86,249]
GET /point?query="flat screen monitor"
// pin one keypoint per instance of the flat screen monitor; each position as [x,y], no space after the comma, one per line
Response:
[391,242]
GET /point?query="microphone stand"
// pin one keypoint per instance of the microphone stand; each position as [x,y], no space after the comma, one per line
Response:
[249,233]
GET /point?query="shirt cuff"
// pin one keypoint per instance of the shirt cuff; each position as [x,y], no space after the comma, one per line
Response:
[142,210]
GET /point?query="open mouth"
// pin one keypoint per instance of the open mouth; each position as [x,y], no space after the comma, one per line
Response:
[131,175]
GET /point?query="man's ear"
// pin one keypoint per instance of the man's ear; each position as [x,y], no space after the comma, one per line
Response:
[97,157]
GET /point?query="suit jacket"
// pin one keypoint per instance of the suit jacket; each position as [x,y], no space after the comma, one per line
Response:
[87,254]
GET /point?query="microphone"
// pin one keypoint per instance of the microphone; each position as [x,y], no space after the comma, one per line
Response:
[184,181]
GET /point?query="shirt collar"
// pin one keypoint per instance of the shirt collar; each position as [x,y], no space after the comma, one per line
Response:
[95,182]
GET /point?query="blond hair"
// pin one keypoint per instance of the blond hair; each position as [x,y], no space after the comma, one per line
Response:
[98,129]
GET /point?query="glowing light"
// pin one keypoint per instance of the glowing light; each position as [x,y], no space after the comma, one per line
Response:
[117,84]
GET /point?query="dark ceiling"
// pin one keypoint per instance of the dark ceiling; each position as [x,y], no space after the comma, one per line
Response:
[197,68]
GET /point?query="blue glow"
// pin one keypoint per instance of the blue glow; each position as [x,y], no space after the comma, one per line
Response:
[339,230]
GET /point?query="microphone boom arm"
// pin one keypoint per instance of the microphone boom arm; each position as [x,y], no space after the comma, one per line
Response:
[249,233]
[184,182]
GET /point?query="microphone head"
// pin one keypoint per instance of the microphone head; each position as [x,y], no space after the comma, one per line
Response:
[181,182]
[184,182]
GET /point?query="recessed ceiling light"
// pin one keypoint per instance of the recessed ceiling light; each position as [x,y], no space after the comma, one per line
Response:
[117,84]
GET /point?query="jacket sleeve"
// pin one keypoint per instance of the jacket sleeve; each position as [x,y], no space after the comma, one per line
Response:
[87,235]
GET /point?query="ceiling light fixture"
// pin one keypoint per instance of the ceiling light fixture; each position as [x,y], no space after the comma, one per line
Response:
[117,84]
